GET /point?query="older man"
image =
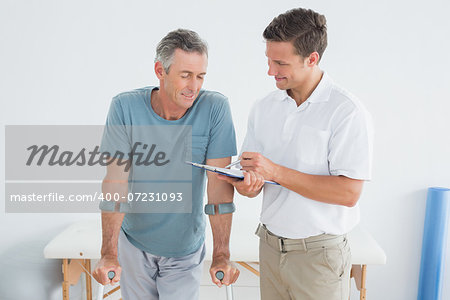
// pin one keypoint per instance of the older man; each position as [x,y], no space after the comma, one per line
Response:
[160,255]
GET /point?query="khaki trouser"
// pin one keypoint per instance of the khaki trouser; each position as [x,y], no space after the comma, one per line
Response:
[315,268]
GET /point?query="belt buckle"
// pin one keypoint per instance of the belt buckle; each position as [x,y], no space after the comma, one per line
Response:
[281,244]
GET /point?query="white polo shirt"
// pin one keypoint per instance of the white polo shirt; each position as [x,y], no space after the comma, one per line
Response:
[328,134]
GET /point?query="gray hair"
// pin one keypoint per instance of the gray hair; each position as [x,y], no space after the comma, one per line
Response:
[184,39]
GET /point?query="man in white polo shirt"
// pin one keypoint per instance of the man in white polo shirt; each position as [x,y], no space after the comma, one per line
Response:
[315,140]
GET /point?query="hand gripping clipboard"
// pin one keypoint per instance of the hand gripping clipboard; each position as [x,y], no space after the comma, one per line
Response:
[235,173]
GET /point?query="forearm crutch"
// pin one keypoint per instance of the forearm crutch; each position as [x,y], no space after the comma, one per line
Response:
[101,287]
[220,275]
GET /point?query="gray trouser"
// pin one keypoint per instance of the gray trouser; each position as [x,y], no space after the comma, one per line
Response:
[149,277]
[315,268]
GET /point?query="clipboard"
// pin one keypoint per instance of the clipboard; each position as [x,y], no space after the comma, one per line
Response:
[235,173]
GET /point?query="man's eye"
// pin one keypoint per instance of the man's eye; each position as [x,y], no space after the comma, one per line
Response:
[184,75]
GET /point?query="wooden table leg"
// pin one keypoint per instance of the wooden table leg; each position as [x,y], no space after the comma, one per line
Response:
[363,283]
[111,292]
[65,284]
[358,272]
[87,266]
[248,267]
[350,283]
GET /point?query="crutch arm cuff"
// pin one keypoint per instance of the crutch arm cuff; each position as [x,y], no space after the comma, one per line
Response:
[222,208]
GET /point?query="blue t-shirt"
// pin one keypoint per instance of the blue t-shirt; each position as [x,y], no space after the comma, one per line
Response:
[213,136]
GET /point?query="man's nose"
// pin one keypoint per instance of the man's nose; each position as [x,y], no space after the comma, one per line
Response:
[195,84]
[272,70]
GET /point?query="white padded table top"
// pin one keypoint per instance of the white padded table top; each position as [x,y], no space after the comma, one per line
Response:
[365,250]
[82,240]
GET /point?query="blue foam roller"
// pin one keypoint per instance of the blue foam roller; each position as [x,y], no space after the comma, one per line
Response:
[434,243]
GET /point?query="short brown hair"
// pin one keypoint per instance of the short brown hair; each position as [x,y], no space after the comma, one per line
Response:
[306,29]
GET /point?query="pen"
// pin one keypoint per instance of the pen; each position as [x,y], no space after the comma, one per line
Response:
[233,164]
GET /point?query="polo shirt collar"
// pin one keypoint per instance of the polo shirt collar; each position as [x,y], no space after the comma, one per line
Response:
[320,94]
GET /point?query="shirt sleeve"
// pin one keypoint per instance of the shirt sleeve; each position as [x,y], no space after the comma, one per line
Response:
[250,144]
[222,136]
[116,137]
[116,142]
[351,146]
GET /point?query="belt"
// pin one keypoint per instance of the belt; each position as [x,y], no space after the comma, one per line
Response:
[285,245]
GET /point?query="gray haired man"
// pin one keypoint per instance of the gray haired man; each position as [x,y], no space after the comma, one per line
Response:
[160,255]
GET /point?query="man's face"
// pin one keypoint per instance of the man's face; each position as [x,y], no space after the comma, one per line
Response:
[289,69]
[185,78]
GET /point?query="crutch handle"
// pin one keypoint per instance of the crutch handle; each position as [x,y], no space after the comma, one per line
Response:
[220,275]
[111,275]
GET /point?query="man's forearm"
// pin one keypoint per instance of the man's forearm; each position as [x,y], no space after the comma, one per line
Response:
[112,220]
[221,227]
[111,223]
[222,192]
[337,190]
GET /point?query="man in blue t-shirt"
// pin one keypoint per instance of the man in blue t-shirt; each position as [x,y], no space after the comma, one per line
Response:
[159,253]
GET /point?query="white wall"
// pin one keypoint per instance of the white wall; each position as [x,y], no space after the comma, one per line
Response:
[62,61]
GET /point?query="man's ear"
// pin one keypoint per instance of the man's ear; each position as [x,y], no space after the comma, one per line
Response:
[313,59]
[159,70]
